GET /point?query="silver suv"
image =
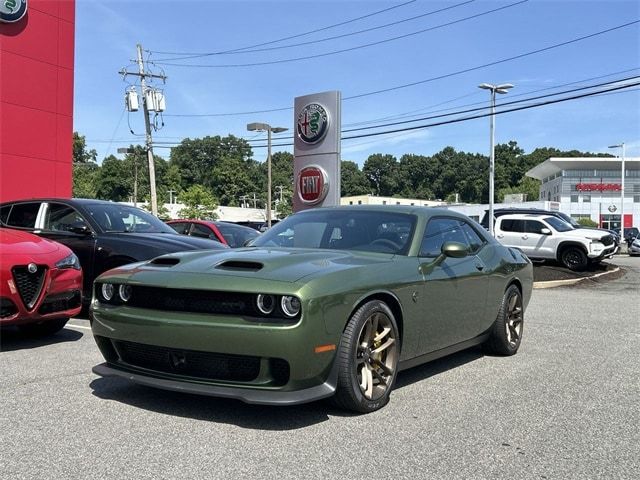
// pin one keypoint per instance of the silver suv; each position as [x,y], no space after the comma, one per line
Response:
[547,237]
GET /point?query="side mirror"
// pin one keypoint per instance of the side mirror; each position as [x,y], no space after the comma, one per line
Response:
[454,250]
[545,231]
[80,228]
[448,249]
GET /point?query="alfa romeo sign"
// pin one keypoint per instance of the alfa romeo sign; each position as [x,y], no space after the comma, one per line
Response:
[313,184]
[312,123]
[12,10]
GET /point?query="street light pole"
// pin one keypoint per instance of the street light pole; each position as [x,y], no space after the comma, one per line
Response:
[621,192]
[504,88]
[261,127]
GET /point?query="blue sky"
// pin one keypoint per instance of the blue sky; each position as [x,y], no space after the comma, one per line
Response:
[107,33]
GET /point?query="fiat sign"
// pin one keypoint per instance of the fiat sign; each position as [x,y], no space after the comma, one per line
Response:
[313,184]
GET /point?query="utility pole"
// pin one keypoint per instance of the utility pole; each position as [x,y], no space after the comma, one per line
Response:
[147,123]
[280,189]
[171,192]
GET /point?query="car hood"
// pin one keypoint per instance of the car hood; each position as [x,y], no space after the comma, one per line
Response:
[587,232]
[16,242]
[167,241]
[278,264]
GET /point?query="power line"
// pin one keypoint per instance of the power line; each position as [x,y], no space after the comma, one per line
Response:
[415,113]
[335,52]
[321,40]
[291,37]
[603,92]
[515,109]
[439,77]
[470,110]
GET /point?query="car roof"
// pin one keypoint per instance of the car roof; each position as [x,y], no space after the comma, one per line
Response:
[520,216]
[79,201]
[406,209]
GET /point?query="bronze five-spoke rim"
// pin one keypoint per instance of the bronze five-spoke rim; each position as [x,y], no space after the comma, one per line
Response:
[513,325]
[376,356]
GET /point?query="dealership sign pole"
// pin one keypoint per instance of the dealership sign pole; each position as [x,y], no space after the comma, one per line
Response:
[316,167]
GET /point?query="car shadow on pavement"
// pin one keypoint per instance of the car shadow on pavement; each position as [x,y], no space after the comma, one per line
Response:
[213,409]
[12,339]
[261,417]
[436,367]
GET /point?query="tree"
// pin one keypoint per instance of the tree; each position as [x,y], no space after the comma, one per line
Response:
[80,152]
[197,158]
[199,204]
[587,222]
[84,179]
[114,181]
[381,172]
[353,181]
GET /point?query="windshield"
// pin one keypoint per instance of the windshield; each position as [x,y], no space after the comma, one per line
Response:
[558,225]
[236,235]
[349,229]
[123,218]
[570,220]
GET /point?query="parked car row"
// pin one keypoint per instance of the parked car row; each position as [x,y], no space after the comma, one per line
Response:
[103,235]
[552,235]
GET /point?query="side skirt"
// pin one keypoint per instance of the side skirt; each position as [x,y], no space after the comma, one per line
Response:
[428,357]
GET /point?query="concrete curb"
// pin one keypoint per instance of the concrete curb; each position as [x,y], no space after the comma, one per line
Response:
[570,281]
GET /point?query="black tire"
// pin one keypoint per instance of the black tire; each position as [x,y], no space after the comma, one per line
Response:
[574,259]
[367,359]
[48,327]
[506,332]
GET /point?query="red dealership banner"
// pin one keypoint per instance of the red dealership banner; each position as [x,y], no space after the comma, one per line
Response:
[598,187]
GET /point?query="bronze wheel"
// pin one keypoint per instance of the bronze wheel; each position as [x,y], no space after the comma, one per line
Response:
[368,358]
[506,334]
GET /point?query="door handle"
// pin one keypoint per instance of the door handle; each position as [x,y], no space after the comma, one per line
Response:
[525,237]
[479,266]
[500,235]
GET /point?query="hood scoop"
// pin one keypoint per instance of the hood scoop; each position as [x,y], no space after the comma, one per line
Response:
[164,262]
[240,265]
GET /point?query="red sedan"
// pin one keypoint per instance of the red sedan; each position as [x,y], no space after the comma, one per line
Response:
[40,283]
[224,232]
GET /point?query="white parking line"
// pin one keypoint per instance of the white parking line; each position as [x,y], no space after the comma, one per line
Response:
[78,326]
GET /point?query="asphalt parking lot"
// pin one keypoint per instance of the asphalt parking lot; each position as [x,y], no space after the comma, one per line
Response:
[565,407]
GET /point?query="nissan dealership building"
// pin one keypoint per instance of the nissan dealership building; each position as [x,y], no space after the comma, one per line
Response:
[591,187]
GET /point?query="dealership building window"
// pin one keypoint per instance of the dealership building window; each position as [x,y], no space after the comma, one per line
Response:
[586,198]
[574,198]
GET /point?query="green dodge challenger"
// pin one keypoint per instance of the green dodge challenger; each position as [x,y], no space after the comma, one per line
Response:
[331,302]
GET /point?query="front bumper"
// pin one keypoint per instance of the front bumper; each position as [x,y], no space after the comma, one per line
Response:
[174,337]
[247,395]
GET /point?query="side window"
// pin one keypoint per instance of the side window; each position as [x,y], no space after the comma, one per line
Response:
[180,227]
[62,218]
[533,226]
[509,225]
[4,213]
[475,241]
[439,231]
[201,231]
[23,215]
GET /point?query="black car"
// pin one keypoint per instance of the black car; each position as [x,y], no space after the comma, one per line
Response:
[103,235]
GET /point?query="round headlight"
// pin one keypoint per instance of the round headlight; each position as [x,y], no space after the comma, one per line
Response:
[125,292]
[290,305]
[107,291]
[265,303]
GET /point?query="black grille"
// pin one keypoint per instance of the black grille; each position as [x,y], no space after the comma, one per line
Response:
[191,363]
[195,301]
[29,284]
[60,302]
[7,308]
[607,240]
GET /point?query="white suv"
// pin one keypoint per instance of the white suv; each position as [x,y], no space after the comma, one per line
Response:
[549,238]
